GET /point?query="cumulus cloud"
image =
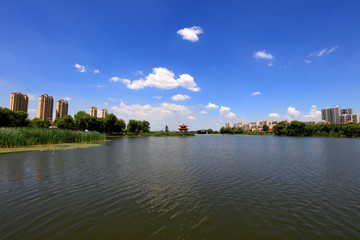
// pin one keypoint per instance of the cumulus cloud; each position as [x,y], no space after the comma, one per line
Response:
[180,97]
[256,93]
[225,111]
[160,112]
[263,55]
[212,106]
[67,98]
[274,115]
[323,51]
[160,78]
[96,71]
[157,97]
[307,61]
[231,115]
[292,112]
[203,112]
[191,118]
[80,68]
[314,115]
[190,34]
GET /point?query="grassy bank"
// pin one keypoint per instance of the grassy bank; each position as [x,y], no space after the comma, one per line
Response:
[16,137]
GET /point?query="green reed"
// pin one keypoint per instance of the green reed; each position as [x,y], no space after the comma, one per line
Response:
[14,137]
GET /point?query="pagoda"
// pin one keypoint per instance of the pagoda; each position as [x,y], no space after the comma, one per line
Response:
[183,128]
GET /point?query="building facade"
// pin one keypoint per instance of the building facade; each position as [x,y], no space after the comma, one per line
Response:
[104,113]
[19,102]
[61,108]
[338,115]
[93,112]
[45,107]
[228,125]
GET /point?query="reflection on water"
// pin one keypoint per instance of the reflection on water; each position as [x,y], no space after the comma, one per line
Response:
[209,187]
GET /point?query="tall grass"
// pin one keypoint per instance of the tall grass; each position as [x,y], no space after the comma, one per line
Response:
[14,137]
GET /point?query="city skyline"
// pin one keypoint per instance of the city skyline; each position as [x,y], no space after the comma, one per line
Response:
[214,63]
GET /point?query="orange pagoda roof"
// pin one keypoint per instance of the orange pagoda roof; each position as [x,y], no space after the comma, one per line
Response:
[183,126]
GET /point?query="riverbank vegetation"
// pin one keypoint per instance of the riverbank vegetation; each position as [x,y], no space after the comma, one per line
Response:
[296,128]
[15,137]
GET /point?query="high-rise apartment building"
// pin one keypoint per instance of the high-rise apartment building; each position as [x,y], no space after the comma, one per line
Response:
[45,107]
[93,112]
[61,108]
[338,115]
[19,102]
[104,113]
[228,125]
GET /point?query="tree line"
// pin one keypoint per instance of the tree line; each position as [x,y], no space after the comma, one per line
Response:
[81,121]
[296,128]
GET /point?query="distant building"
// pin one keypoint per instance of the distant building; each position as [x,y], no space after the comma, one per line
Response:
[104,113]
[202,131]
[264,122]
[228,125]
[238,125]
[45,107]
[338,115]
[93,112]
[287,121]
[61,108]
[19,102]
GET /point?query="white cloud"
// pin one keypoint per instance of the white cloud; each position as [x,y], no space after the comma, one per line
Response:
[148,112]
[191,118]
[314,115]
[307,61]
[263,55]
[80,68]
[226,112]
[67,99]
[231,115]
[332,49]
[292,112]
[96,71]
[106,104]
[323,51]
[274,115]
[256,93]
[160,78]
[157,97]
[270,64]
[224,109]
[190,34]
[139,73]
[99,86]
[211,106]
[180,97]
[203,112]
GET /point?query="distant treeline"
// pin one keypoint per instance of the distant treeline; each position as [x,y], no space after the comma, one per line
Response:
[81,121]
[296,128]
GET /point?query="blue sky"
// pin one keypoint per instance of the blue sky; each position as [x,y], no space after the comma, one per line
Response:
[165,61]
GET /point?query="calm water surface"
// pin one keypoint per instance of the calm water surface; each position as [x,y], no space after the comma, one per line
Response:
[203,187]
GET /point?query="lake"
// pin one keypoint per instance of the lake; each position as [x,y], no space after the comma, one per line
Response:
[203,187]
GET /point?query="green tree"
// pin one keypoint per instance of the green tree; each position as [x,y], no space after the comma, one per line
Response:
[120,126]
[133,126]
[310,130]
[210,131]
[109,123]
[280,129]
[96,124]
[144,126]
[296,128]
[265,128]
[166,128]
[82,120]
[67,122]
[38,123]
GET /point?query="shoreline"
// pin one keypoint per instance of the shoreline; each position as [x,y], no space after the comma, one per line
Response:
[46,147]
